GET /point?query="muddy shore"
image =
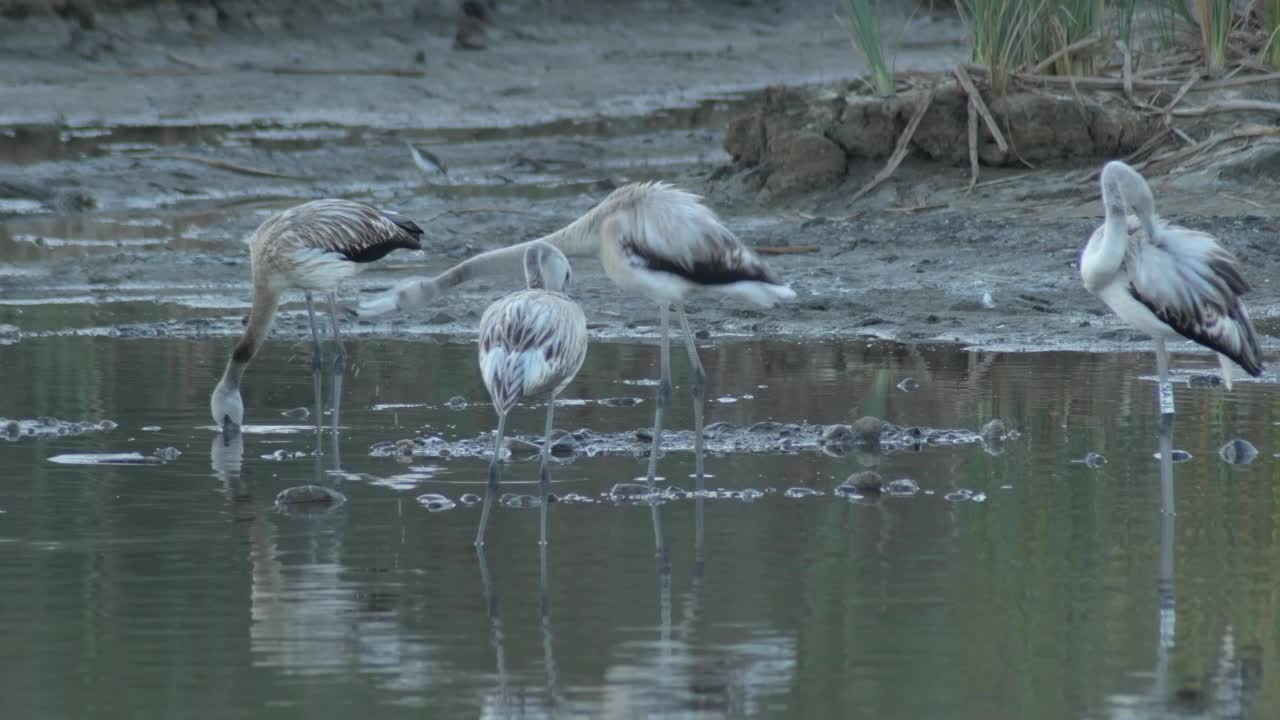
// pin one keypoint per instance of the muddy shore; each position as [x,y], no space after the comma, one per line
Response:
[115,189]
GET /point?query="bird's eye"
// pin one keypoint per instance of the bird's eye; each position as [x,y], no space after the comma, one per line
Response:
[566,279]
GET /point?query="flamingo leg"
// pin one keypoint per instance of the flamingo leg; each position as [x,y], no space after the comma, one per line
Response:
[317,362]
[495,622]
[544,473]
[1165,389]
[339,363]
[660,404]
[698,389]
[664,391]
[492,489]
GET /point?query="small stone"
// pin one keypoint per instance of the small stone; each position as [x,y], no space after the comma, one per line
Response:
[1238,452]
[405,446]
[866,431]
[620,402]
[801,492]
[169,453]
[310,495]
[903,486]
[435,503]
[456,403]
[102,425]
[469,499]
[993,431]
[908,385]
[1204,381]
[765,426]
[1094,460]
[838,435]
[861,484]
[298,413]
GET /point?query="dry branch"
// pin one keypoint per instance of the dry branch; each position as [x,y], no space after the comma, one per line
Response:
[1048,62]
[296,69]
[1182,154]
[1227,106]
[229,166]
[976,98]
[786,249]
[973,146]
[904,143]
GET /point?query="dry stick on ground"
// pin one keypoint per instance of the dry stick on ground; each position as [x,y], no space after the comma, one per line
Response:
[1177,156]
[297,70]
[973,146]
[1143,150]
[229,166]
[1048,62]
[904,144]
[480,210]
[1228,106]
[975,97]
[786,249]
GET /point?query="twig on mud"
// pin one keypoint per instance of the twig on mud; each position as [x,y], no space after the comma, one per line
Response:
[917,208]
[1048,62]
[1228,106]
[480,210]
[975,97]
[1246,201]
[973,146]
[1001,181]
[1186,153]
[1182,92]
[786,249]
[904,144]
[295,69]
[229,166]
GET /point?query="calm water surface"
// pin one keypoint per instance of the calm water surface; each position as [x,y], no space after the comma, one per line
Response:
[178,590]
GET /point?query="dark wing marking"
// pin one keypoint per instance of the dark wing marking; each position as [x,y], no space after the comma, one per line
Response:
[353,230]
[1193,285]
[731,264]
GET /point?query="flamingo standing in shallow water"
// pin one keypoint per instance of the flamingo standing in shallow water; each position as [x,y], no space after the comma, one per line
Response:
[1167,280]
[312,247]
[531,342]
[653,240]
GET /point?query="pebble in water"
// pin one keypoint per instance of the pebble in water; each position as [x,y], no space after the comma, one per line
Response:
[903,486]
[168,453]
[908,385]
[405,446]
[298,413]
[801,492]
[282,455]
[837,436]
[456,403]
[861,485]
[576,499]
[436,503]
[867,431]
[1176,456]
[1238,452]
[469,499]
[620,402]
[513,500]
[1092,460]
[309,495]
[994,431]
[1207,380]
[630,492]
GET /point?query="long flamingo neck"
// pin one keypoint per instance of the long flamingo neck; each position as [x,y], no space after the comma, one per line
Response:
[265,301]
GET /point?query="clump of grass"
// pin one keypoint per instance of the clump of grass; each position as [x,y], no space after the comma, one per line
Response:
[1069,21]
[1004,35]
[1271,27]
[862,19]
[1215,18]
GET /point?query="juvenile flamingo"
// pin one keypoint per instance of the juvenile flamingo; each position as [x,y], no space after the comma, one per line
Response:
[1166,280]
[312,247]
[531,342]
[653,240]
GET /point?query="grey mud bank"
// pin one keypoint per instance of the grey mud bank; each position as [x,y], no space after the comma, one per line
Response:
[135,158]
